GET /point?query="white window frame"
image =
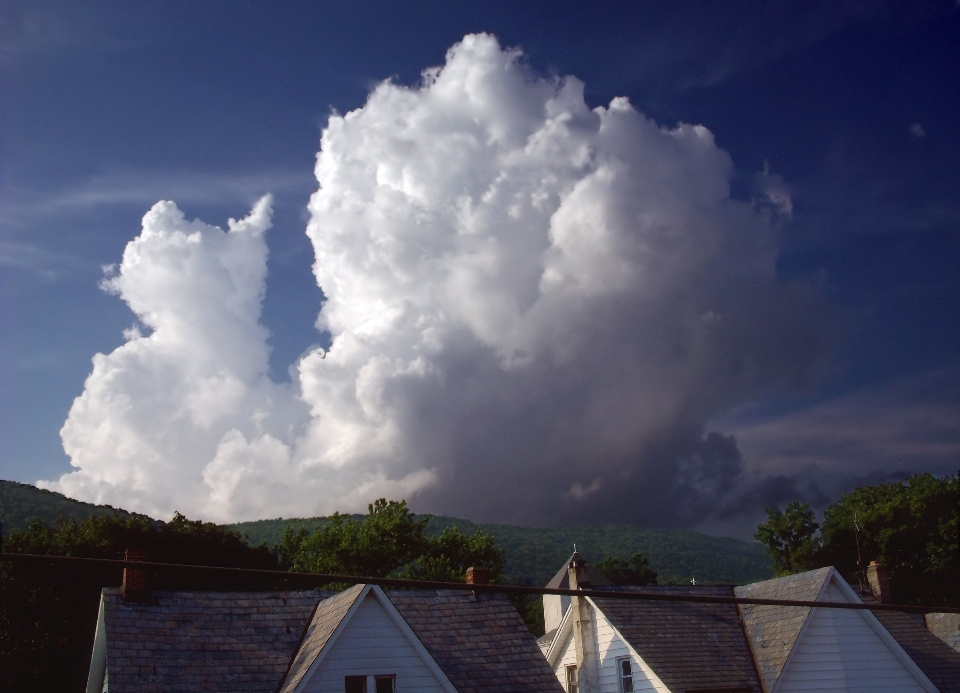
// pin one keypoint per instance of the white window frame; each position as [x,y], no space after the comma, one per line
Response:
[621,678]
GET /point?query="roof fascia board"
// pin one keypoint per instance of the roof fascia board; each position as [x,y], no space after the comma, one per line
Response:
[412,638]
[883,633]
[657,682]
[98,660]
[332,639]
[553,651]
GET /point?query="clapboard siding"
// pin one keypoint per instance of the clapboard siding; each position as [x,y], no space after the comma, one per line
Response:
[371,643]
[611,647]
[839,650]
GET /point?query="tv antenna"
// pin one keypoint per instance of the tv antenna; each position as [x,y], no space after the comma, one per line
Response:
[856,537]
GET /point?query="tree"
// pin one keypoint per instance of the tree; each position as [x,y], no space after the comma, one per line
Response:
[634,571]
[790,538]
[388,541]
[49,613]
[908,526]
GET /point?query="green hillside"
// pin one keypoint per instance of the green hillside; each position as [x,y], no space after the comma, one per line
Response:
[537,554]
[22,503]
[533,554]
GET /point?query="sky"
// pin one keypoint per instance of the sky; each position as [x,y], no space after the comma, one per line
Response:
[537,263]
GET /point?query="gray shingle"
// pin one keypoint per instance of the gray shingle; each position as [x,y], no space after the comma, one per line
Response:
[203,641]
[773,630]
[688,645]
[936,659]
[478,640]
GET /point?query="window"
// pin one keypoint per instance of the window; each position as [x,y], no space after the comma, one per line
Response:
[572,683]
[386,683]
[625,673]
[382,683]
[355,684]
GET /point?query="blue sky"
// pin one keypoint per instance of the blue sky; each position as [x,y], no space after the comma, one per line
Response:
[850,110]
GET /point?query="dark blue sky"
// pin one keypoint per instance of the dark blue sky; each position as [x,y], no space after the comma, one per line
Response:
[108,107]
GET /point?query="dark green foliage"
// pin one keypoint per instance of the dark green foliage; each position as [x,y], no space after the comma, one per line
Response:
[537,553]
[908,526]
[790,538]
[388,541]
[635,571]
[48,612]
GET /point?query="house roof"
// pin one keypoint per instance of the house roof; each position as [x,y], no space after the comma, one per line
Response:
[946,627]
[327,616]
[688,645]
[773,630]
[478,640]
[210,641]
[936,659]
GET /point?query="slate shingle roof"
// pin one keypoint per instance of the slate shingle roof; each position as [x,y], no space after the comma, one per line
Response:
[946,627]
[325,620]
[773,630]
[688,645]
[936,659]
[203,641]
[478,640]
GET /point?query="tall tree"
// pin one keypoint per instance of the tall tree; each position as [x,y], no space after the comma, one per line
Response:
[910,527]
[790,538]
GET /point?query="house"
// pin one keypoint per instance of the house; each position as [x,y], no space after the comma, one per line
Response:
[598,644]
[361,640]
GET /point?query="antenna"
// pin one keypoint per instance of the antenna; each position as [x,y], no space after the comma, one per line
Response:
[856,536]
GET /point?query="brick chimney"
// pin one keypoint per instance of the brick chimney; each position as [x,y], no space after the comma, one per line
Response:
[578,572]
[135,588]
[879,582]
[477,575]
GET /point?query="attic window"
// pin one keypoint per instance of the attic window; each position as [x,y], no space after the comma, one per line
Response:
[625,673]
[572,681]
[382,683]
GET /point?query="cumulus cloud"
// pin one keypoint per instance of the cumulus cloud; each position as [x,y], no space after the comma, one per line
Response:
[534,307]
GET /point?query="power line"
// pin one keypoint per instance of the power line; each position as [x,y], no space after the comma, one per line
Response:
[314,578]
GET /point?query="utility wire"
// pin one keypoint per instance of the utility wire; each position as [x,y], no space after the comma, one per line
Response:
[317,578]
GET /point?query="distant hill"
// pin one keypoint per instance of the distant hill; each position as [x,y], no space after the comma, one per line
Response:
[536,554]
[21,503]
[533,554]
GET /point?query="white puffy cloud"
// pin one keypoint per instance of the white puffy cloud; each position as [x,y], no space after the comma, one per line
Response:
[534,307]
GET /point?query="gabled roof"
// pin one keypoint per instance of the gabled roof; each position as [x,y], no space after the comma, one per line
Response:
[327,616]
[688,645]
[479,640]
[773,630]
[936,659]
[209,641]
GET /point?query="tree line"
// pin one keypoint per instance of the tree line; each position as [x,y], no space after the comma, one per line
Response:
[909,526]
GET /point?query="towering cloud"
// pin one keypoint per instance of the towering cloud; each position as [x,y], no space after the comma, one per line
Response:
[534,308]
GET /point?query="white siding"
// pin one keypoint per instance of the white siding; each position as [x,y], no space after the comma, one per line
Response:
[371,643]
[839,650]
[554,607]
[611,647]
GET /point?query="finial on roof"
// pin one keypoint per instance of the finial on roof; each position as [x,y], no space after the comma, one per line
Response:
[574,547]
[693,581]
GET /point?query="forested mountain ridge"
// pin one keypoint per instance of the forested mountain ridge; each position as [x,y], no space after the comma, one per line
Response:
[535,554]
[22,503]
[530,554]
